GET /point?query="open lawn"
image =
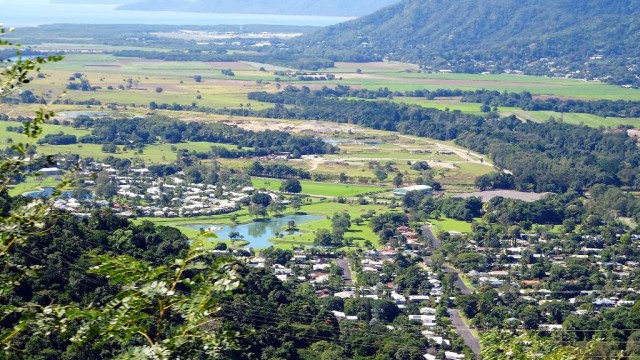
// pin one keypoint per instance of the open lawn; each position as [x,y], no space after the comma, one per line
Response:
[446,225]
[33,184]
[320,188]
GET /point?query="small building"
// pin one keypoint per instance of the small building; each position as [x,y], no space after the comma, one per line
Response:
[52,171]
[425,189]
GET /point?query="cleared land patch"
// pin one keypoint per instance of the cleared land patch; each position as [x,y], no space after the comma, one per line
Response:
[486,196]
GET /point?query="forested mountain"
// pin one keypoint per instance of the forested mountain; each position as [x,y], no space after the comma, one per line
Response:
[280,7]
[583,39]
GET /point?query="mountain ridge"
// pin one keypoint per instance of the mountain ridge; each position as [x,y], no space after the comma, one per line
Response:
[590,39]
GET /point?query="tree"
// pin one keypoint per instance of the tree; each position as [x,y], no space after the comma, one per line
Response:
[105,187]
[157,290]
[235,236]
[291,225]
[296,203]
[260,198]
[110,148]
[276,207]
[398,180]
[197,78]
[257,211]
[340,222]
[291,186]
[323,238]
[159,90]
[380,174]
[502,345]
[19,222]
[277,256]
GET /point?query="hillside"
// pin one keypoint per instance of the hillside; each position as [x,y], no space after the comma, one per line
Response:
[280,7]
[586,39]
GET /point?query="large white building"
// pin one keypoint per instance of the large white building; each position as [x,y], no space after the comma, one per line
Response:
[400,192]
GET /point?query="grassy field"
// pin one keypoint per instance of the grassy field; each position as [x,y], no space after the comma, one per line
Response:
[142,77]
[320,188]
[403,77]
[578,119]
[446,225]
[33,184]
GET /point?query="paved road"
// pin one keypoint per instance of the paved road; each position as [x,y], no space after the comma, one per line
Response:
[426,231]
[437,244]
[464,290]
[346,272]
[464,331]
[457,322]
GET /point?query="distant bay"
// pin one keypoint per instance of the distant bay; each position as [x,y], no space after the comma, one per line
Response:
[40,12]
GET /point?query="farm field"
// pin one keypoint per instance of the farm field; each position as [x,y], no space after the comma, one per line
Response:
[402,77]
[578,119]
[135,83]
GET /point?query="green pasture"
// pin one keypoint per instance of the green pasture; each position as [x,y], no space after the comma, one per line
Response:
[47,129]
[538,85]
[579,118]
[587,90]
[446,225]
[319,188]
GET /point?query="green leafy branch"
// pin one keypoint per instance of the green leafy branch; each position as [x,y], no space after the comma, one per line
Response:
[168,310]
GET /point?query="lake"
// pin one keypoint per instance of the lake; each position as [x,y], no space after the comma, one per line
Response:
[258,233]
[39,12]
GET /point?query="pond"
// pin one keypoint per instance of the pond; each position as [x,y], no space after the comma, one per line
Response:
[258,233]
[45,192]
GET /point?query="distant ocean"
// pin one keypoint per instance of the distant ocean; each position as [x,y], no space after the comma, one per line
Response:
[17,13]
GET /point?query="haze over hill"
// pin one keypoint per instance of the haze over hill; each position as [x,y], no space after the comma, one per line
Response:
[280,7]
[586,39]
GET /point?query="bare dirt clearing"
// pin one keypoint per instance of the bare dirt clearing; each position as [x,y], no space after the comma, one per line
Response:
[486,196]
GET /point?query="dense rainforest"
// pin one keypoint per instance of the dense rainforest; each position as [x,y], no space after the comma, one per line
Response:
[588,39]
